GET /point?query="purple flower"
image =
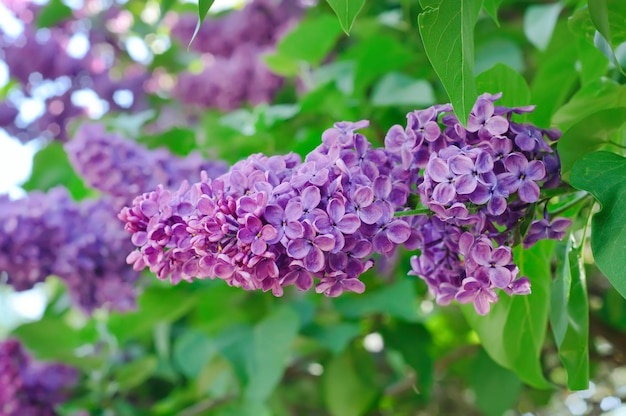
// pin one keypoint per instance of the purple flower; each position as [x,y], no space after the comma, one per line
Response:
[493,262]
[285,221]
[479,292]
[521,176]
[337,223]
[544,229]
[448,183]
[335,283]
[483,120]
[256,234]
[310,248]
[401,141]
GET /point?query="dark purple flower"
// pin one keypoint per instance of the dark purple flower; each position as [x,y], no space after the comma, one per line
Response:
[544,229]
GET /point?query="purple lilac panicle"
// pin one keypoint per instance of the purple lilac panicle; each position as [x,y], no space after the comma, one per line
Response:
[259,227]
[479,183]
[49,234]
[266,224]
[123,168]
[28,387]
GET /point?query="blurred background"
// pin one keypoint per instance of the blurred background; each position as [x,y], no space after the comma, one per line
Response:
[102,100]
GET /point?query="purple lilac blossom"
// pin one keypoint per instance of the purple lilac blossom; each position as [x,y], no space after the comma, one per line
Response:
[259,227]
[122,168]
[81,243]
[28,387]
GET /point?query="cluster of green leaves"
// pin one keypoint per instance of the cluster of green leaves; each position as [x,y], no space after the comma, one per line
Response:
[205,348]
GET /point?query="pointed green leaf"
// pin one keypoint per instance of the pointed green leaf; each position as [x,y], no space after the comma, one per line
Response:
[192,351]
[588,135]
[53,13]
[513,331]
[603,174]
[203,9]
[310,41]
[51,168]
[609,17]
[270,353]
[599,95]
[555,78]
[447,30]
[346,11]
[504,79]
[569,317]
[491,7]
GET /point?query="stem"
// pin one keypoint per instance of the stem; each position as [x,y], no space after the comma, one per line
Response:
[570,204]
[416,211]
[562,190]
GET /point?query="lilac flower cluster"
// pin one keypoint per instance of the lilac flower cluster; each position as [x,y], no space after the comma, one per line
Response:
[260,23]
[479,183]
[28,387]
[123,168]
[44,70]
[232,47]
[83,244]
[228,82]
[272,222]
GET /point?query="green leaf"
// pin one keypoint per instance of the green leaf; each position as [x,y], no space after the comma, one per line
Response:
[53,13]
[539,23]
[398,89]
[346,11]
[51,168]
[136,372]
[497,389]
[609,17]
[602,174]
[494,50]
[599,95]
[192,351]
[569,317]
[273,337]
[397,300]
[203,9]
[447,30]
[504,79]
[178,140]
[414,342]
[556,77]
[335,337]
[346,392]
[588,135]
[281,65]
[388,54]
[311,41]
[53,339]
[513,331]
[491,7]
[155,305]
